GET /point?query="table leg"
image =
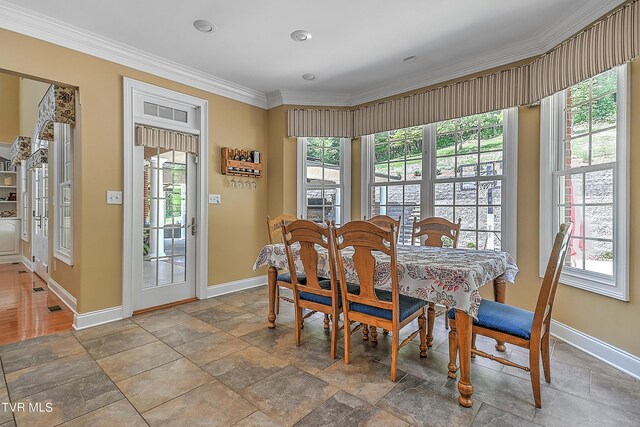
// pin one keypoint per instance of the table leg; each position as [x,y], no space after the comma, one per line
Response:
[500,295]
[431,319]
[272,275]
[464,327]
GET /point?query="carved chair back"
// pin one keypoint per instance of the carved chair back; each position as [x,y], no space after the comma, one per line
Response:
[273,227]
[435,229]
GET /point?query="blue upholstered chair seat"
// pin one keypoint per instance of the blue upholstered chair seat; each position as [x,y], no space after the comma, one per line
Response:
[408,306]
[326,284]
[286,277]
[503,318]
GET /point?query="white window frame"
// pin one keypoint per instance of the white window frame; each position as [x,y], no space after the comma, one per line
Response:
[552,128]
[510,177]
[345,178]
[63,254]
[24,201]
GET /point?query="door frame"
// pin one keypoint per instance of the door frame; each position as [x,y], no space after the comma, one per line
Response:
[132,88]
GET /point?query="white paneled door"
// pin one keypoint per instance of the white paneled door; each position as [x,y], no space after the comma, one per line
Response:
[165,227]
[40,226]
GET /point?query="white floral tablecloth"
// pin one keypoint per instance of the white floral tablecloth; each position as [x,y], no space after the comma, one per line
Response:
[450,277]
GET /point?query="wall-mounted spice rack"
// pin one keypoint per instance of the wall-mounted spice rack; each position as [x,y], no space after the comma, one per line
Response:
[230,166]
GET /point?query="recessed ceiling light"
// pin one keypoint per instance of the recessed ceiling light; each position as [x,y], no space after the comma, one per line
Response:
[309,76]
[301,35]
[204,26]
[409,59]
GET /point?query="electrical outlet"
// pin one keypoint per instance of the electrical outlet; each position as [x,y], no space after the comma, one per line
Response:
[215,199]
[114,197]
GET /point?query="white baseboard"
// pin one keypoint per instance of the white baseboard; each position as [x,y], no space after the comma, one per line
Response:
[10,259]
[235,286]
[68,299]
[98,317]
[619,359]
[27,263]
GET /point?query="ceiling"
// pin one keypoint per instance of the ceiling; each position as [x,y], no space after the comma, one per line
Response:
[357,47]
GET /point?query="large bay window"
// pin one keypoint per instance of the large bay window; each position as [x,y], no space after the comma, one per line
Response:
[584,179]
[462,169]
[324,179]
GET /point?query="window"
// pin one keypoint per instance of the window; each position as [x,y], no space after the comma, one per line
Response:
[324,179]
[456,169]
[585,181]
[396,175]
[24,200]
[63,162]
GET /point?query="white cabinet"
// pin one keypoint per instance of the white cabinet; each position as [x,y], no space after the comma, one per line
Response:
[9,236]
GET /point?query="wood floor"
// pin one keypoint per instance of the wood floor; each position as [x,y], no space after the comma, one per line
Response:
[23,312]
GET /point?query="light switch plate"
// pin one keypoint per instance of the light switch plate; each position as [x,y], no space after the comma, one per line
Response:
[215,199]
[114,197]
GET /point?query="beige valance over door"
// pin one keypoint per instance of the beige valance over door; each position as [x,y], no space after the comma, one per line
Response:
[153,137]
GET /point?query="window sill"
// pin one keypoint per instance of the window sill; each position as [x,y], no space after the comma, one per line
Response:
[64,257]
[596,283]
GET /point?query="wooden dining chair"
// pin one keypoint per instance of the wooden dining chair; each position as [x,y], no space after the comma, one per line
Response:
[318,295]
[385,221]
[275,236]
[436,229]
[370,306]
[517,326]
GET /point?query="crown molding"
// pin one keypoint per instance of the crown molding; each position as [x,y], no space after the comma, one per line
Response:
[29,23]
[289,97]
[33,24]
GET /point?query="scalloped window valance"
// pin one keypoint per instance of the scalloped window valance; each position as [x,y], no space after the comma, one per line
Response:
[57,106]
[38,158]
[609,42]
[20,149]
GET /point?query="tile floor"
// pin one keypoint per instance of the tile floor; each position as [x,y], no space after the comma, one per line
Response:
[214,362]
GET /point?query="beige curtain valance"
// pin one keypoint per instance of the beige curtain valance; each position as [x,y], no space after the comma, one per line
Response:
[327,123]
[57,106]
[611,41]
[38,158]
[154,137]
[20,149]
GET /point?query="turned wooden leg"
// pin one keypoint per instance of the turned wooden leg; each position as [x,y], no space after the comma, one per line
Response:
[500,295]
[374,334]
[272,274]
[546,362]
[365,332]
[422,323]
[326,321]
[277,308]
[453,352]
[385,332]
[534,366]
[431,319]
[464,328]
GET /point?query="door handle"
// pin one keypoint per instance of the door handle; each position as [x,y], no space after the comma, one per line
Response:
[193,226]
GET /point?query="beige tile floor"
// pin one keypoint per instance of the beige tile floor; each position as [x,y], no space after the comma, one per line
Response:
[214,362]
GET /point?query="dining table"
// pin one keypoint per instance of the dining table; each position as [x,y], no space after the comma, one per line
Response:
[443,276]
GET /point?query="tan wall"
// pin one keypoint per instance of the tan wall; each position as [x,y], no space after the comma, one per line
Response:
[30,95]
[9,114]
[99,167]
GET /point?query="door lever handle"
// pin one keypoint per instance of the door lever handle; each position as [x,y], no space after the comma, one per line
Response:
[193,226]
